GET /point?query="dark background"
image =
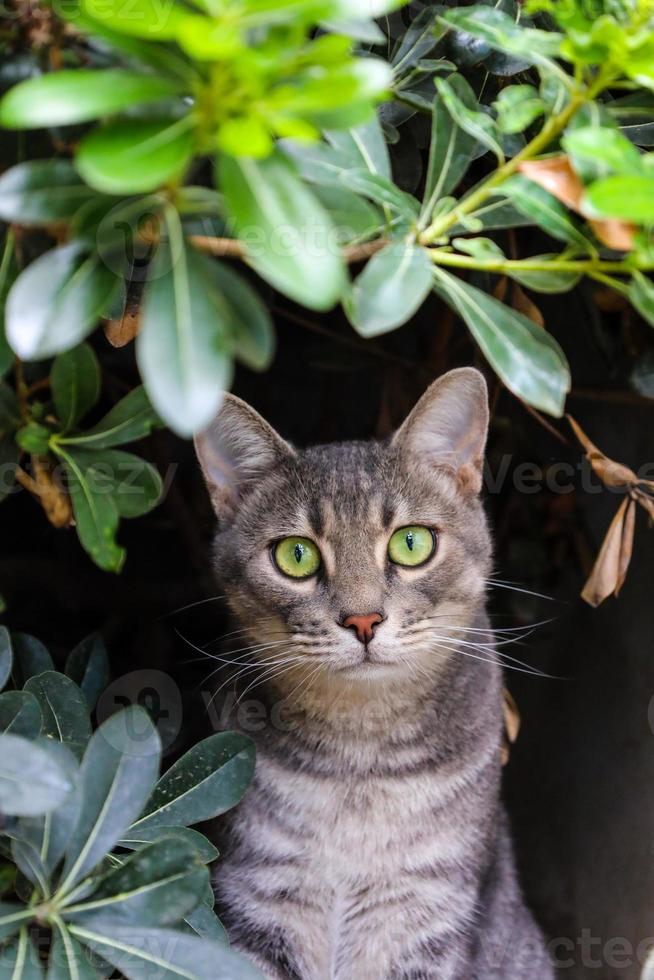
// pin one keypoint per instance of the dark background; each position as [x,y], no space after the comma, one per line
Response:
[580,783]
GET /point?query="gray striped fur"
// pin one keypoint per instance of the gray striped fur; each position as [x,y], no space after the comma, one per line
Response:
[372,844]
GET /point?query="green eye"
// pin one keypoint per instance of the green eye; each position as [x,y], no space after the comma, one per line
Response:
[297,557]
[412,545]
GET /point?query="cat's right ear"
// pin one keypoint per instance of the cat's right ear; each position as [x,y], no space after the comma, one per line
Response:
[235,451]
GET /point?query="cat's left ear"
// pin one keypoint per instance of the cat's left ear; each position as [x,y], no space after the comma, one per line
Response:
[449,425]
[237,449]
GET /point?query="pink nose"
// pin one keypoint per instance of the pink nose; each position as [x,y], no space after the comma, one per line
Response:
[364,626]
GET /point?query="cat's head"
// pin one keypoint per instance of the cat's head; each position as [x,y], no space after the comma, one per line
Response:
[357,556]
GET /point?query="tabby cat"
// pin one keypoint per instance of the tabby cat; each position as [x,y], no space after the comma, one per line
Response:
[372,844]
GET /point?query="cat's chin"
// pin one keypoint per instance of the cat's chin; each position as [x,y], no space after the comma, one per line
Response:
[369,669]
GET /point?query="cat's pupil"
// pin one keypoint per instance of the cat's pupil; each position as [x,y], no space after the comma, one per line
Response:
[409,541]
[298,551]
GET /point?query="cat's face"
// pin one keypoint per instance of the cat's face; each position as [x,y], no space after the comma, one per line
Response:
[364,558]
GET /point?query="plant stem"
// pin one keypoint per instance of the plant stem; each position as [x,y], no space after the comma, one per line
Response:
[582,266]
[555,125]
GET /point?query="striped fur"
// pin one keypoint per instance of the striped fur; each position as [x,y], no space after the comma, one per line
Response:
[371,844]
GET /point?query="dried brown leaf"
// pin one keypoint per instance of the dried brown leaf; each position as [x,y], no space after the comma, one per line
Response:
[557,176]
[120,332]
[610,473]
[610,568]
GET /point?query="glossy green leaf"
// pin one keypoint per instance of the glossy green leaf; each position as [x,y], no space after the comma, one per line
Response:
[250,323]
[140,18]
[28,861]
[157,886]
[30,658]
[31,782]
[34,437]
[210,779]
[544,209]
[517,107]
[141,837]
[628,197]
[75,383]
[318,163]
[364,147]
[12,917]
[288,234]
[87,665]
[131,419]
[117,774]
[450,154]
[546,281]
[6,656]
[68,960]
[134,484]
[496,214]
[95,510]
[63,707]
[204,922]
[501,32]
[19,960]
[49,834]
[41,192]
[130,156]
[606,149]
[20,714]
[382,191]
[479,248]
[461,103]
[183,348]
[390,289]
[641,294]
[527,358]
[78,95]
[354,218]
[56,301]
[166,954]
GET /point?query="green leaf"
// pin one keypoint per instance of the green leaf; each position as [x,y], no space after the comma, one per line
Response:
[78,95]
[6,656]
[12,918]
[41,192]
[87,665]
[450,154]
[461,103]
[210,779]
[544,209]
[183,348]
[96,514]
[135,155]
[381,191]
[205,923]
[56,301]
[29,864]
[8,273]
[390,289]
[20,714]
[19,960]
[628,197]
[34,437]
[250,323]
[479,248]
[546,281]
[288,234]
[75,383]
[134,485]
[166,954]
[527,359]
[117,774]
[30,658]
[68,960]
[131,419]
[64,709]
[364,147]
[136,839]
[605,149]
[319,163]
[501,32]
[48,835]
[142,18]
[517,107]
[156,886]
[354,218]
[496,214]
[641,295]
[31,782]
